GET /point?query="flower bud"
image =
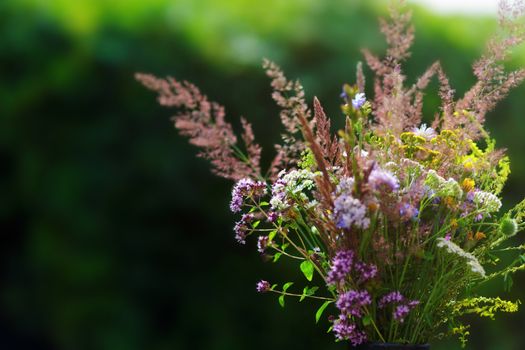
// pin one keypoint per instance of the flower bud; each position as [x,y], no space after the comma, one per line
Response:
[508,226]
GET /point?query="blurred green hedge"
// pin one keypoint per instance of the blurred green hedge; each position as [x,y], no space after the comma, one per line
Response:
[113,235]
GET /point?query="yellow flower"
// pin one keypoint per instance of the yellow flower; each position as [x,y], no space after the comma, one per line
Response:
[479,236]
[468,184]
[453,223]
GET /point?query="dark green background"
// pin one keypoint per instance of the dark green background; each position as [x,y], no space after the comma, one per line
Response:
[113,236]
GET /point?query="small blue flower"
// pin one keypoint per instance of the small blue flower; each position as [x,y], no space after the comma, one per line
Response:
[359,100]
[344,95]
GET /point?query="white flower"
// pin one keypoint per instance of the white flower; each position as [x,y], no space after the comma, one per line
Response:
[453,248]
[487,201]
[442,187]
[423,131]
[291,183]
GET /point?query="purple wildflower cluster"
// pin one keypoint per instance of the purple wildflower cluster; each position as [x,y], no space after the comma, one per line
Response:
[345,329]
[359,100]
[349,211]
[353,301]
[344,263]
[383,180]
[242,228]
[245,188]
[341,267]
[402,306]
[263,286]
[262,244]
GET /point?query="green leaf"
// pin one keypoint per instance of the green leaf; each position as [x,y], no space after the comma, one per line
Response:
[307,267]
[320,311]
[277,256]
[256,223]
[284,246]
[273,287]
[367,320]
[264,204]
[281,300]
[271,235]
[286,286]
[307,291]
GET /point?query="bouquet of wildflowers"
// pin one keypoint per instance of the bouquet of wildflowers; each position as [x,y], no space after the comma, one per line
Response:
[393,223]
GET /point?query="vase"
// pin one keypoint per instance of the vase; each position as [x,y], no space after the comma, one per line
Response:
[390,346]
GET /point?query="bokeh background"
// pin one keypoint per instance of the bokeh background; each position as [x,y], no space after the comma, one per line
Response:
[113,235]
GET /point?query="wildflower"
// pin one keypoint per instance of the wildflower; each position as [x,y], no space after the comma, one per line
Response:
[349,211]
[263,286]
[487,201]
[423,131]
[392,297]
[453,248]
[408,211]
[359,100]
[401,311]
[272,216]
[379,179]
[241,228]
[346,185]
[401,306]
[262,244]
[291,183]
[352,302]
[508,226]
[341,266]
[479,236]
[245,188]
[468,184]
[345,329]
[366,271]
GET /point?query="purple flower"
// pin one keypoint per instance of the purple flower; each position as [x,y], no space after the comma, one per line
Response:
[401,306]
[408,211]
[241,228]
[358,100]
[352,302]
[263,286]
[245,188]
[262,244]
[341,266]
[343,94]
[349,211]
[379,179]
[345,329]
[272,216]
[366,271]
[392,297]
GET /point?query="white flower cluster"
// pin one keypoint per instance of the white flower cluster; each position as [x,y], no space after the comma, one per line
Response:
[442,187]
[453,248]
[291,183]
[487,201]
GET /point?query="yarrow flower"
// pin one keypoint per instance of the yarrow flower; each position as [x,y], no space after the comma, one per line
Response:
[423,131]
[291,183]
[487,201]
[263,286]
[453,248]
[359,100]
[245,188]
